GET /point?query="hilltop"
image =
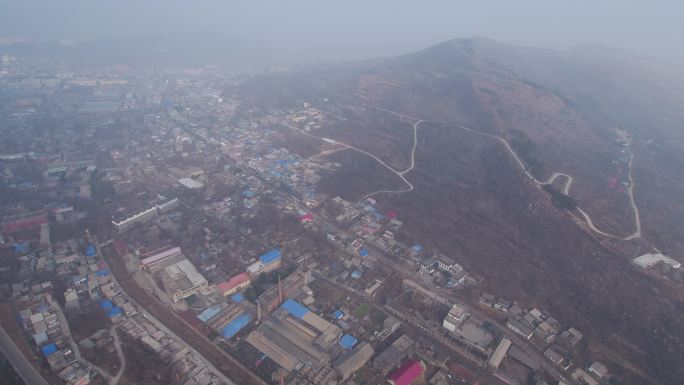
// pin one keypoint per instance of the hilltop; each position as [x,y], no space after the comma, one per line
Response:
[584,112]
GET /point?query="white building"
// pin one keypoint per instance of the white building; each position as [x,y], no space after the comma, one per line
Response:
[500,353]
[126,224]
[147,215]
[457,314]
[647,261]
[182,280]
[190,183]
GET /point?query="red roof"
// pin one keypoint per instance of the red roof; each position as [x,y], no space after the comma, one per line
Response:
[24,224]
[391,214]
[306,218]
[407,373]
[233,282]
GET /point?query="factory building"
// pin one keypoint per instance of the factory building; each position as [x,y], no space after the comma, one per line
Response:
[234,284]
[289,345]
[182,280]
[347,364]
[190,183]
[178,275]
[234,326]
[266,263]
[328,332]
[271,298]
[499,354]
[160,260]
[294,336]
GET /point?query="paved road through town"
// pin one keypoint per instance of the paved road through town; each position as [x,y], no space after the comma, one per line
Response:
[20,363]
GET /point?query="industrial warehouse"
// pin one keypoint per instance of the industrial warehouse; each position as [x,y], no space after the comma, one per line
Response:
[294,337]
[178,275]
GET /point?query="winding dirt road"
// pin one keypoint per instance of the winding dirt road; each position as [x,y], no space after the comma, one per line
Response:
[120,354]
[565,189]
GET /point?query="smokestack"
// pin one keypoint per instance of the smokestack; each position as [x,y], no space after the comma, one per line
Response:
[280,290]
[282,379]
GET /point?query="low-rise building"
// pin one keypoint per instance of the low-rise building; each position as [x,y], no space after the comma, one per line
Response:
[520,327]
[571,337]
[407,373]
[393,355]
[353,360]
[457,314]
[234,284]
[266,263]
[182,280]
[499,353]
[553,356]
[599,370]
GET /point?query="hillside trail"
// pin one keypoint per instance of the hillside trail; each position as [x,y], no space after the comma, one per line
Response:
[565,187]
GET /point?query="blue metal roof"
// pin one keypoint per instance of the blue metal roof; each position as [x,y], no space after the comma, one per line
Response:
[235,325]
[417,247]
[21,247]
[90,250]
[356,274]
[270,256]
[49,349]
[295,308]
[208,313]
[102,273]
[337,314]
[363,252]
[237,297]
[116,311]
[106,305]
[348,341]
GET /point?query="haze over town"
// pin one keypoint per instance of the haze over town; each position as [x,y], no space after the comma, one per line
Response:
[341,193]
[314,31]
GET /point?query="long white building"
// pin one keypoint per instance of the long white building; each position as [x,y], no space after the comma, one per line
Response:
[147,215]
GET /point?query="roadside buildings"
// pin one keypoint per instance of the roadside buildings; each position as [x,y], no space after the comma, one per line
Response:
[457,314]
[181,280]
[124,224]
[520,327]
[234,284]
[266,263]
[500,353]
[348,363]
[178,275]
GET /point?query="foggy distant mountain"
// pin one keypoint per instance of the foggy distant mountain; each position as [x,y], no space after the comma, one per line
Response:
[565,112]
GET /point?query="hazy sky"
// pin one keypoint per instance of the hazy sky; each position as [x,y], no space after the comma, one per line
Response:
[321,30]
